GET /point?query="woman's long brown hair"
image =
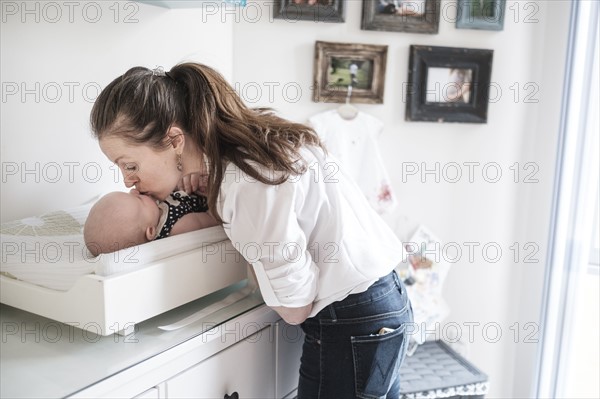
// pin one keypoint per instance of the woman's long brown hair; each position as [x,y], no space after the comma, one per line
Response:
[140,106]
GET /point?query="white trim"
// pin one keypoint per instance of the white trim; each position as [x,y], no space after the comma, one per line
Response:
[595,245]
[573,199]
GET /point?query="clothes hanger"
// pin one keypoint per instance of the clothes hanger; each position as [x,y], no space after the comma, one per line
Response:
[348,111]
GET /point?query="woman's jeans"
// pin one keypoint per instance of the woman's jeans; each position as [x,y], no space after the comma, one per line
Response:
[346,354]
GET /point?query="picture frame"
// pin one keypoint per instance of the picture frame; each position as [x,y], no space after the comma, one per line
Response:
[310,10]
[416,16]
[448,84]
[481,14]
[338,66]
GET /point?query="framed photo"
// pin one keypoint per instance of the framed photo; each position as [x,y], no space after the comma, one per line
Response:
[417,16]
[310,10]
[480,14]
[341,69]
[448,84]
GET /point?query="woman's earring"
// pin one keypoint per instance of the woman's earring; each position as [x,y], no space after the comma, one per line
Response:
[179,164]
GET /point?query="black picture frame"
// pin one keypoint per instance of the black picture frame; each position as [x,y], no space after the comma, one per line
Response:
[481,14]
[301,10]
[448,84]
[415,16]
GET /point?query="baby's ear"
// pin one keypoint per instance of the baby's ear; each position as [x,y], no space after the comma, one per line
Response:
[151,233]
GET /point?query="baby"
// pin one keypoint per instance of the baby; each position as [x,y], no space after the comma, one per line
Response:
[122,220]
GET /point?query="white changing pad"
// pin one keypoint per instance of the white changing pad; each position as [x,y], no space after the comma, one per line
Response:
[49,250]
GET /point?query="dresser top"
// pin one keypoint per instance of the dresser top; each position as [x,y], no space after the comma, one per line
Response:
[40,357]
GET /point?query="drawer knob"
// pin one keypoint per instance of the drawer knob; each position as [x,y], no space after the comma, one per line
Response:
[234,395]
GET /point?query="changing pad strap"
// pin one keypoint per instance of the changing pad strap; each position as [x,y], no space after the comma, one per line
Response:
[228,300]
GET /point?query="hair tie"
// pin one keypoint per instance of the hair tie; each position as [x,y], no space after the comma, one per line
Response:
[158,71]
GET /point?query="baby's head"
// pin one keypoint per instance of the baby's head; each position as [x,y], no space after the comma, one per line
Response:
[120,220]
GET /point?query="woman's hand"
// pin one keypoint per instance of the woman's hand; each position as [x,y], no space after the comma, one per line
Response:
[194,183]
[293,316]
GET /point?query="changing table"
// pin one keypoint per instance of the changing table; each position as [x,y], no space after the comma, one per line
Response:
[437,371]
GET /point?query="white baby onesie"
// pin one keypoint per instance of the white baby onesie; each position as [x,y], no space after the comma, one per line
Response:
[353,143]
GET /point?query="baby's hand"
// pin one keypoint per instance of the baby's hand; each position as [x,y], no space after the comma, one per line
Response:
[193,183]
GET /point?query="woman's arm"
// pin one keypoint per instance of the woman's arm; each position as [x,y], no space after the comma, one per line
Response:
[290,315]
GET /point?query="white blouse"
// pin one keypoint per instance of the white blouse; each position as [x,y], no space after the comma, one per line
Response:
[313,238]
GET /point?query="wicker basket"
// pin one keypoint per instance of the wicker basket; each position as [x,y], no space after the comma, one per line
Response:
[437,371]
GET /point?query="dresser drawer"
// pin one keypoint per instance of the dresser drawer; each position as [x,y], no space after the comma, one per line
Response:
[247,367]
[288,352]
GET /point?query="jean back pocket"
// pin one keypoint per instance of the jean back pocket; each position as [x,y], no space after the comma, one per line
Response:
[377,360]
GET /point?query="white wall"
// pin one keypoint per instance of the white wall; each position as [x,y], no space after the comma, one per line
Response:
[258,52]
[529,58]
[54,61]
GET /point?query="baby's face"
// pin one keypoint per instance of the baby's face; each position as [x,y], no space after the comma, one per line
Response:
[141,208]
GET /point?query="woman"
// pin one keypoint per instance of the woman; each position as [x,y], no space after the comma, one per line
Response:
[323,258]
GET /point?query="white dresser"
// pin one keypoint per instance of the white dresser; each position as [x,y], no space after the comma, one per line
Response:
[244,348]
